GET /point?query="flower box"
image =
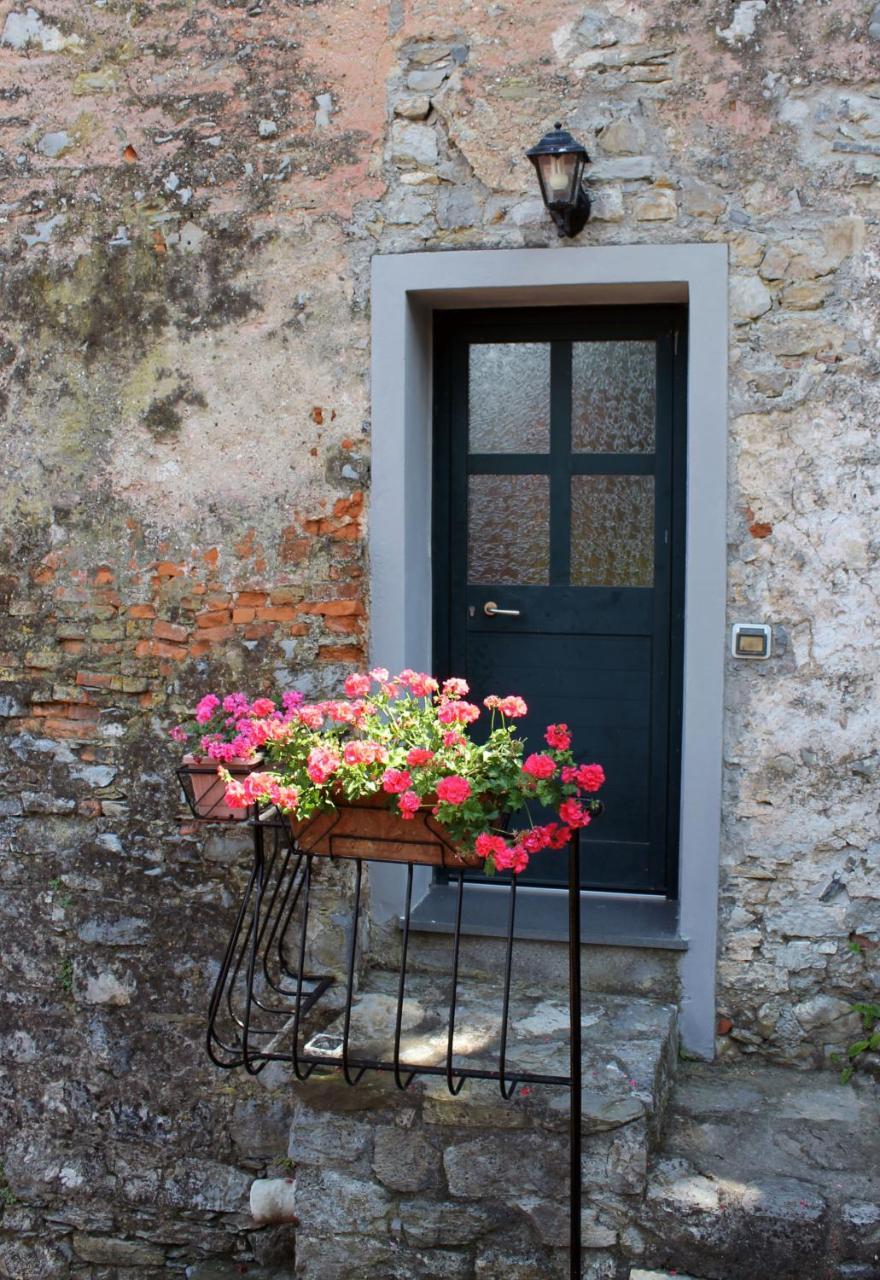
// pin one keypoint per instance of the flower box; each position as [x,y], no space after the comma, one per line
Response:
[368,829]
[205,790]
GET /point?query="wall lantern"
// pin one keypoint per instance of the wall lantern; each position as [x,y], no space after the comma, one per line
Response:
[559,162]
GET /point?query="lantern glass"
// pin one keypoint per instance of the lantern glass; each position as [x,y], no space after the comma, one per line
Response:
[559,176]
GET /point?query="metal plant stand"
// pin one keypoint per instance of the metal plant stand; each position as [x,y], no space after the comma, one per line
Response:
[263,994]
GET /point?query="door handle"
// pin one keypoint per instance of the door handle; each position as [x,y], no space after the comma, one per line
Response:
[491,610]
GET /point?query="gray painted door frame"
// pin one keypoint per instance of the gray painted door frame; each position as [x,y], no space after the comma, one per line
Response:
[406,291]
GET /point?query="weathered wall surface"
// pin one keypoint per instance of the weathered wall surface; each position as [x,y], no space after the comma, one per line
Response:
[191,194]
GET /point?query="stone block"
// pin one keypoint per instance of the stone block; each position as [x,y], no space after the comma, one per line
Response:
[749,299]
[427,1224]
[414,146]
[623,137]
[343,1257]
[657,205]
[325,1139]
[606,204]
[330,1203]
[482,1167]
[106,1251]
[404,1161]
[860,1231]
[415,107]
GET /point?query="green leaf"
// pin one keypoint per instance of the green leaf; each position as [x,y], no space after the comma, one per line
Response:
[847,1074]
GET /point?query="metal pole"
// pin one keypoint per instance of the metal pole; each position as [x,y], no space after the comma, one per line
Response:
[575,1067]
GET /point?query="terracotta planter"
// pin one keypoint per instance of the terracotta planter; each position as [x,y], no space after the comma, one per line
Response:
[370,829]
[205,789]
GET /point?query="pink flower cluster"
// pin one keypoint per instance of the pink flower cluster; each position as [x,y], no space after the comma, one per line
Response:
[255,787]
[404,737]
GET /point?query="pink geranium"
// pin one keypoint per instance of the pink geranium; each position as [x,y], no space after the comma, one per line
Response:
[455,687]
[395,781]
[418,756]
[455,712]
[357,686]
[558,736]
[453,789]
[206,708]
[489,846]
[409,804]
[539,765]
[512,858]
[512,707]
[312,717]
[322,763]
[572,813]
[262,707]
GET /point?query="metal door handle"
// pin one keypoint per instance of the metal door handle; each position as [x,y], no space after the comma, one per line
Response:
[491,610]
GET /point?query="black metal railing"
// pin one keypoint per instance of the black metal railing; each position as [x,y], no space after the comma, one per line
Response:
[265,1006]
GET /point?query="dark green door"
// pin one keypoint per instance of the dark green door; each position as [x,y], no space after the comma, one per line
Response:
[559,497]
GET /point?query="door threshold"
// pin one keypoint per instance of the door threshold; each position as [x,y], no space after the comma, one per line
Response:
[607,919]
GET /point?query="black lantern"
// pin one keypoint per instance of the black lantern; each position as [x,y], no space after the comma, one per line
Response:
[559,162]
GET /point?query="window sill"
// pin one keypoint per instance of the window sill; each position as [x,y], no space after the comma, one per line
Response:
[610,920]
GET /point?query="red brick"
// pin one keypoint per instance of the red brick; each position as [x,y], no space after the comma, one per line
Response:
[103,575]
[332,608]
[60,728]
[170,631]
[166,569]
[159,649]
[94,679]
[343,626]
[250,599]
[259,630]
[298,629]
[141,611]
[214,634]
[243,615]
[213,618]
[276,613]
[340,653]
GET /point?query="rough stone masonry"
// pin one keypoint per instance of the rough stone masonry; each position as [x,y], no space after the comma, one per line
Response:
[191,195]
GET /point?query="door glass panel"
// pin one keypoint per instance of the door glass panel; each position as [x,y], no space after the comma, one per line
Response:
[509,529]
[612,531]
[613,393]
[509,397]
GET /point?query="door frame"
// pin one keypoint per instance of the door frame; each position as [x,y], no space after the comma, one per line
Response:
[406,291]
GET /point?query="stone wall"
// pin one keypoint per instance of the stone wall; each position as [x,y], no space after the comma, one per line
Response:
[191,194]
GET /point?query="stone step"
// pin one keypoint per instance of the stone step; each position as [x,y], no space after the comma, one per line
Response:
[421,1183]
[649,972]
[766,1172]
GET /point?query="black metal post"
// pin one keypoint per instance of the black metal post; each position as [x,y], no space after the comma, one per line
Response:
[575,1068]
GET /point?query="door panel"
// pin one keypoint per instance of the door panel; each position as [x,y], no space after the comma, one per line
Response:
[558,495]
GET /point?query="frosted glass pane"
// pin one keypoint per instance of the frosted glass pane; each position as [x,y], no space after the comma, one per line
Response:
[612,531]
[509,529]
[612,397]
[509,397]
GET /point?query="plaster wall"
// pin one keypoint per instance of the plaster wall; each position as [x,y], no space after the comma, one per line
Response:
[191,198]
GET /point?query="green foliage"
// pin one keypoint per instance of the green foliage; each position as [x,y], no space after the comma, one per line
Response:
[7,1195]
[869,1043]
[65,974]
